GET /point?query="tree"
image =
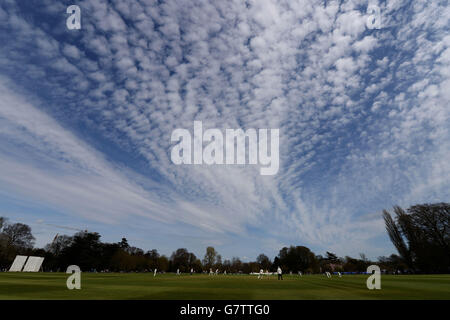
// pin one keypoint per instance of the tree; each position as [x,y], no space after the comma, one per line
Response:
[397,238]
[236,265]
[107,253]
[210,257]
[227,265]
[122,261]
[422,236]
[153,256]
[263,261]
[331,257]
[276,263]
[329,263]
[59,243]
[2,222]
[14,239]
[19,235]
[218,262]
[297,258]
[182,259]
[392,264]
[354,265]
[249,267]
[85,251]
[434,221]
[4,260]
[3,238]
[196,265]
[363,257]
[123,244]
[163,263]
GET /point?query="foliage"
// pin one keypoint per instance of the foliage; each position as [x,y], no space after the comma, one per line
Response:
[421,236]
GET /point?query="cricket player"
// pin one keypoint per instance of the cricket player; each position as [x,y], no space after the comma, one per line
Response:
[261,272]
[280,274]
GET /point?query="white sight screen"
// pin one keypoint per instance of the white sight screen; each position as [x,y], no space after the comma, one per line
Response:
[33,264]
[18,263]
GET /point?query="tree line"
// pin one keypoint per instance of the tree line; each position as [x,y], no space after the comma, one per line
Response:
[420,235]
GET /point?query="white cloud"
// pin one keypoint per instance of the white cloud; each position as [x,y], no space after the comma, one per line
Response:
[357,124]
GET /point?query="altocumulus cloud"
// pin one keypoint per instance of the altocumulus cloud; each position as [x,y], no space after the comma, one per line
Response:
[86,115]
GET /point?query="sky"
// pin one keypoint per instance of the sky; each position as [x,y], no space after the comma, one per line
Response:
[86,118]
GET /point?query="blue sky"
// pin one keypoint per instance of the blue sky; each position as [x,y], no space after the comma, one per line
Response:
[86,118]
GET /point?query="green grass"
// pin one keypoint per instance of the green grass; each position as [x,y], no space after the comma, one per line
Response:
[170,286]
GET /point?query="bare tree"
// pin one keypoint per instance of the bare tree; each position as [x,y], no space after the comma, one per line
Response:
[19,235]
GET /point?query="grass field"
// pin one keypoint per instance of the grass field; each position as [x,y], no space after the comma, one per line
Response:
[229,287]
